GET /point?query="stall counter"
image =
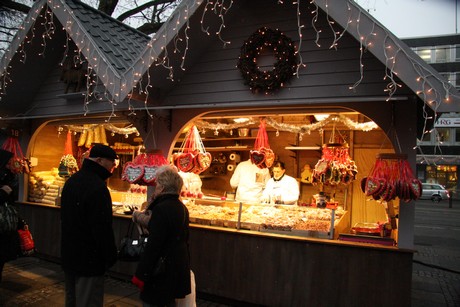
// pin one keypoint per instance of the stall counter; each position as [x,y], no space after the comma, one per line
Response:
[265,268]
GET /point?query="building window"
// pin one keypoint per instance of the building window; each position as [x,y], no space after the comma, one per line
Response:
[453,78]
[457,135]
[424,53]
[426,138]
[442,54]
[443,135]
[439,54]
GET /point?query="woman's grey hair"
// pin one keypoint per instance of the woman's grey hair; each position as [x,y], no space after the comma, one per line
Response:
[168,177]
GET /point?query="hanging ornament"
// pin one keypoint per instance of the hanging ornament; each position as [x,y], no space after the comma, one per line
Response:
[142,170]
[335,166]
[18,163]
[68,164]
[391,177]
[192,156]
[262,155]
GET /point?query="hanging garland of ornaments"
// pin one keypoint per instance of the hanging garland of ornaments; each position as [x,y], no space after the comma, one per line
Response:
[192,156]
[112,128]
[283,69]
[262,156]
[335,166]
[307,128]
[391,177]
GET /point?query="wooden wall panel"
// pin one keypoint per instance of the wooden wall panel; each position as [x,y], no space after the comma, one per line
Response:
[271,271]
[364,208]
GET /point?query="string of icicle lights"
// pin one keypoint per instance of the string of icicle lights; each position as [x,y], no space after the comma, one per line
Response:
[370,39]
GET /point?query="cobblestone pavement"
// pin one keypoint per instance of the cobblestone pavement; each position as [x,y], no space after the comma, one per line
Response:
[34,282]
[436,267]
[435,285]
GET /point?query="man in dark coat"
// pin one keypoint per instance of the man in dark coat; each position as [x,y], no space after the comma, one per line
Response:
[168,238]
[9,239]
[88,246]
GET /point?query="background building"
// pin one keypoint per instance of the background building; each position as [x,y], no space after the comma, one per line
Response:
[439,134]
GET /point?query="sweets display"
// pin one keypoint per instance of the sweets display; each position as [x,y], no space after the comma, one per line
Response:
[263,217]
[44,186]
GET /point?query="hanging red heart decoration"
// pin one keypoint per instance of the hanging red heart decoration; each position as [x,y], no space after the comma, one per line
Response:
[392,177]
[132,172]
[185,162]
[17,164]
[257,157]
[262,155]
[150,174]
[192,156]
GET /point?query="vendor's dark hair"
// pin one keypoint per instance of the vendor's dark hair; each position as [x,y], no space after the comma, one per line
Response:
[279,164]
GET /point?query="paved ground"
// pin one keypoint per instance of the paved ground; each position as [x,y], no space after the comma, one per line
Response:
[34,282]
[436,268]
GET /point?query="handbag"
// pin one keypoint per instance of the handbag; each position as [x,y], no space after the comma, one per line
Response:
[131,248]
[26,241]
[8,218]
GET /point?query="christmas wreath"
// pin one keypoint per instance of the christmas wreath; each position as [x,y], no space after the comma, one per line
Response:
[283,69]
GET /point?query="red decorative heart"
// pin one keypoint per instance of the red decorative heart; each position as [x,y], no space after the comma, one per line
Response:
[269,157]
[204,160]
[416,188]
[257,157]
[133,173]
[373,186]
[185,162]
[150,174]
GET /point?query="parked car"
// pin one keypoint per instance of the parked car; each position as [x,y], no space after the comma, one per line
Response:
[435,192]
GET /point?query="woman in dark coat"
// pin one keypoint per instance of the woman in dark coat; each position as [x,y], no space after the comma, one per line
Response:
[168,237]
[9,240]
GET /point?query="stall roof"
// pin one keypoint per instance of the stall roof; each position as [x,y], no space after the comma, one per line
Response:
[121,56]
[109,46]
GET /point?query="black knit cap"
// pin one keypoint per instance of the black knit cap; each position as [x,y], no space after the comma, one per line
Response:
[102,151]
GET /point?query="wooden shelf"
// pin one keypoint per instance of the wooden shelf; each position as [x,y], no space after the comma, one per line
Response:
[302,147]
[208,139]
[223,148]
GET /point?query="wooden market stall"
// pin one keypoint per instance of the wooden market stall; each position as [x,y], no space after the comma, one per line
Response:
[329,73]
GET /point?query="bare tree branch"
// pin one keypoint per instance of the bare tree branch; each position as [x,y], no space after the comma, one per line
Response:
[149,28]
[108,6]
[141,8]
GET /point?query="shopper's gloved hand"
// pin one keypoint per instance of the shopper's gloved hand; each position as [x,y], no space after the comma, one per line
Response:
[7,189]
[138,283]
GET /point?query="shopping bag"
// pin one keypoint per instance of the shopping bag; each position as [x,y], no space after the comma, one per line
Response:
[131,248]
[26,241]
[190,299]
